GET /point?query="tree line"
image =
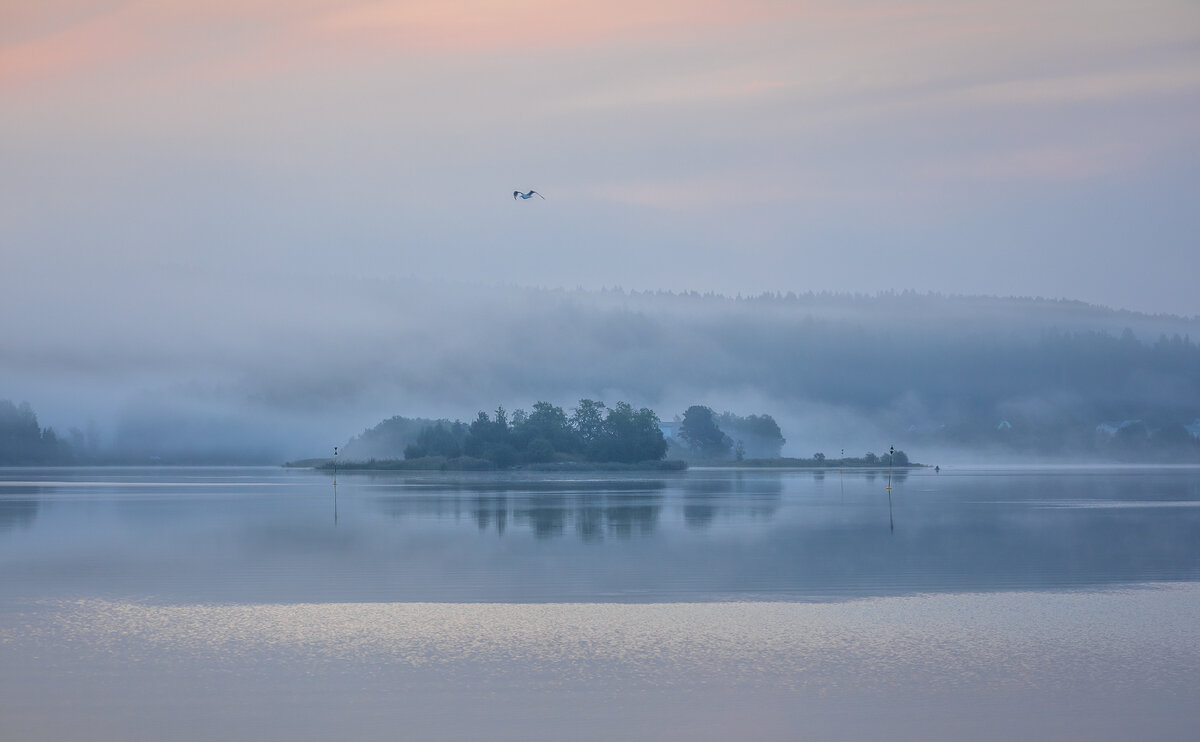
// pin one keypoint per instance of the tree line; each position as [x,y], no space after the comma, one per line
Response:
[23,441]
[705,435]
[593,432]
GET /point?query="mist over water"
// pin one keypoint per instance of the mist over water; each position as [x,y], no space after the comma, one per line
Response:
[274,367]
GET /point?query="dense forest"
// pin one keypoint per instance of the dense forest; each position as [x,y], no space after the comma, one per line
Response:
[593,432]
[23,441]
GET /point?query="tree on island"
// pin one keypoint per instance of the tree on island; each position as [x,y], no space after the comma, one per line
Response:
[587,420]
[703,437]
[759,435]
[594,433]
[629,436]
[491,439]
[439,439]
[548,430]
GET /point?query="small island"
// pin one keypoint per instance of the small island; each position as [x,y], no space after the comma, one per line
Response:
[593,437]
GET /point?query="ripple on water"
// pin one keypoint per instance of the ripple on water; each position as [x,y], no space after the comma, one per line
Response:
[1027,640]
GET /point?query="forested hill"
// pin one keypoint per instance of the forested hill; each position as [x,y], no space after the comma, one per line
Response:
[842,371]
[836,371]
[1029,374]
[1025,374]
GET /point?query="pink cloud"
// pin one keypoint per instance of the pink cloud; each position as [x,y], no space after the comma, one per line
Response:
[62,51]
[59,39]
[489,25]
[74,40]
[71,42]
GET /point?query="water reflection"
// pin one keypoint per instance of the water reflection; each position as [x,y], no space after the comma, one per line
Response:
[19,506]
[491,509]
[624,519]
[591,510]
[546,514]
[899,476]
[735,493]
[698,535]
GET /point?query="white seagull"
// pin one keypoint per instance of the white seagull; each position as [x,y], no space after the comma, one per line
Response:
[527,195]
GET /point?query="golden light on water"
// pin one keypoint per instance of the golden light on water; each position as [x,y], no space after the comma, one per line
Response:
[1015,640]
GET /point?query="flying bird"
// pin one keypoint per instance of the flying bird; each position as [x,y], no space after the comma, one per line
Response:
[527,195]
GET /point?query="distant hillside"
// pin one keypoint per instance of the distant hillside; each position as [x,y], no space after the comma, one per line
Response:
[1028,375]
[837,371]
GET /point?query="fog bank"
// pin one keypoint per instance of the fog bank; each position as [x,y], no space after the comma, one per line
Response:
[290,364]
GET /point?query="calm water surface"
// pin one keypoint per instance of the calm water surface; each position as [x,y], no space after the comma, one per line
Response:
[199,604]
[272,535]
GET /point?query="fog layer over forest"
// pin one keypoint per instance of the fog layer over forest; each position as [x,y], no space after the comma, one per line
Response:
[287,366]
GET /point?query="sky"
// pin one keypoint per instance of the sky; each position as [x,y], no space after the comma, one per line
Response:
[1007,148]
[161,160]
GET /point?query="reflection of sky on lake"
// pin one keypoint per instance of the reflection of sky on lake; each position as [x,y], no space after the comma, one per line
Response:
[18,505]
[710,604]
[795,644]
[996,666]
[271,535]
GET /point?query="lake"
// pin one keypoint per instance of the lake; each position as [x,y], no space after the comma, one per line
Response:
[265,603]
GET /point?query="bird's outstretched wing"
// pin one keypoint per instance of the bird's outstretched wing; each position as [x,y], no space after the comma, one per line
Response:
[515,194]
[538,195]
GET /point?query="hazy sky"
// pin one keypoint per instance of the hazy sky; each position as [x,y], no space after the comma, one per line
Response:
[1046,148]
[192,192]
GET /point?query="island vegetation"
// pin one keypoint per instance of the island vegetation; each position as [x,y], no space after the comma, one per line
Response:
[592,436]
[545,436]
[704,435]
